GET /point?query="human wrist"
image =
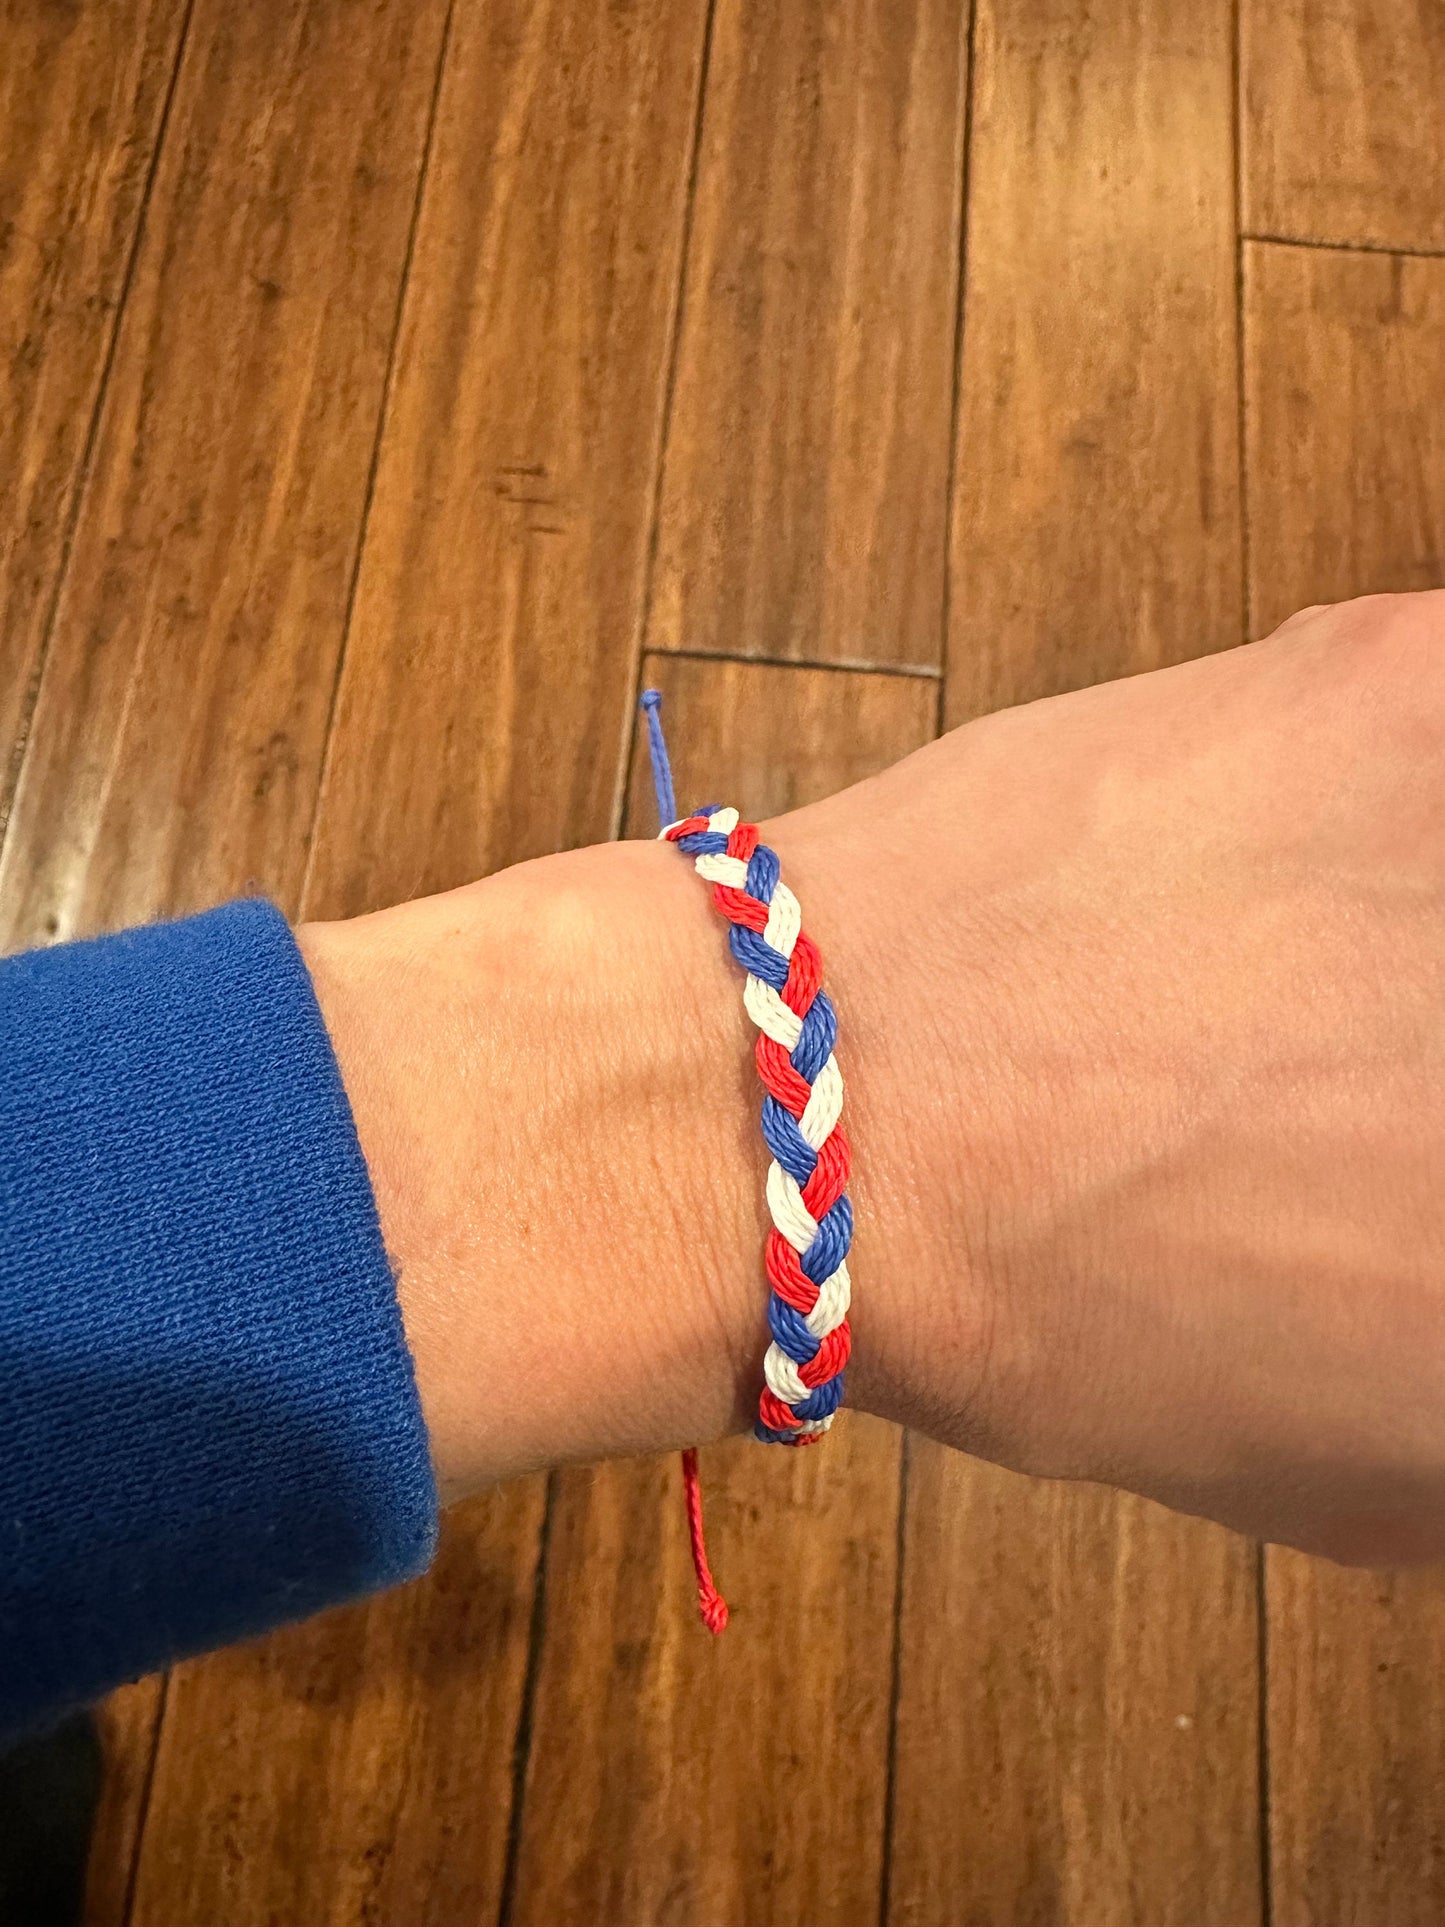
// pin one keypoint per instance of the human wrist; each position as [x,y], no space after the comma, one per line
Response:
[552,1076]
[944,1045]
[550,1079]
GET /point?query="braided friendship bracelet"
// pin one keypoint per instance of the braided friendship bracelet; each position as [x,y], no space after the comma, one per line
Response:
[806,1254]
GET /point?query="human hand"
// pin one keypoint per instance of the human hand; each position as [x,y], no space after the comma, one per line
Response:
[1141,994]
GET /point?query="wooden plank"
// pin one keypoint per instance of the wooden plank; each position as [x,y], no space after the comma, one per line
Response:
[1096,523]
[1356,1744]
[1346,472]
[1076,1735]
[488,679]
[178,732]
[82,92]
[1344,359]
[664,1782]
[128,1726]
[355,1768]
[815,368]
[1341,132]
[360,1768]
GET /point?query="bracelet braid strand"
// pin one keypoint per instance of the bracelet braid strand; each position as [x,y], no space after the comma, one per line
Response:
[806,1251]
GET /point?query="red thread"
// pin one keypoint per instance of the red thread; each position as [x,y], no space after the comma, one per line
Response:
[772,1411]
[830,1176]
[831,1356]
[805,975]
[742,841]
[710,1602]
[779,1079]
[786,1275]
[738,907]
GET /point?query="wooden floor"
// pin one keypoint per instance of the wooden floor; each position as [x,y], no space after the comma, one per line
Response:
[388,386]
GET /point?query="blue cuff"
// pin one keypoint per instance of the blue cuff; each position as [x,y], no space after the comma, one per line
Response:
[208,1416]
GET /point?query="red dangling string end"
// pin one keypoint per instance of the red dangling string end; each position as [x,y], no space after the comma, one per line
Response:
[710,1602]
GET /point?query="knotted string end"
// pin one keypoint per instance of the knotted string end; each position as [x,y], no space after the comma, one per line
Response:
[651,706]
[710,1602]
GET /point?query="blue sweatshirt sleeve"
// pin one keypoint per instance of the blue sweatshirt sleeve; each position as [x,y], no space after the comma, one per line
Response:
[208,1417]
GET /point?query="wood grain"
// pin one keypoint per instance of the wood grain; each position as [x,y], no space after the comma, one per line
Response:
[805,491]
[82,92]
[1076,1734]
[1344,357]
[1341,135]
[360,1768]
[178,734]
[1346,474]
[128,1727]
[488,679]
[1096,517]
[355,1768]
[673,1778]
[1356,1745]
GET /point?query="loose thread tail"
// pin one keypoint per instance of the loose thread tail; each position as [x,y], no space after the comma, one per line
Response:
[710,1602]
[651,706]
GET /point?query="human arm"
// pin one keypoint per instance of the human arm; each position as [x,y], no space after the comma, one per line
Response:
[1143,1006]
[1141,996]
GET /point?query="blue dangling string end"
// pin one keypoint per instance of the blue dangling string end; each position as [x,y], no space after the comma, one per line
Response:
[651,705]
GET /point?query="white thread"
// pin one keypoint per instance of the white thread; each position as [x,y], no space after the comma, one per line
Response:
[835,1294]
[790,1214]
[824,1107]
[785,920]
[782,1376]
[723,869]
[770,1013]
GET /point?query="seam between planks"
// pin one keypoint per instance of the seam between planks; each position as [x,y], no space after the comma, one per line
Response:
[1340,247]
[383,410]
[143,1811]
[10,781]
[895,1687]
[1262,1737]
[845,665]
[664,434]
[956,400]
[526,1711]
[1241,397]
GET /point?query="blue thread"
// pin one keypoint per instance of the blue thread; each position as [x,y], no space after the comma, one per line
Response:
[830,1247]
[704,842]
[661,767]
[763,872]
[757,956]
[769,1435]
[815,1040]
[790,1330]
[786,1141]
[823,1401]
